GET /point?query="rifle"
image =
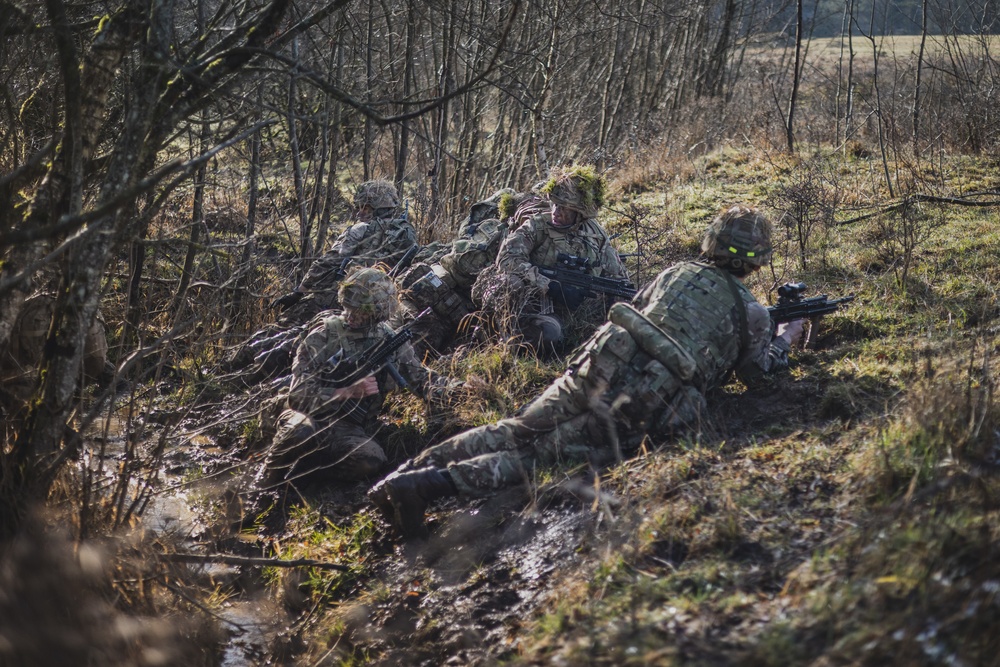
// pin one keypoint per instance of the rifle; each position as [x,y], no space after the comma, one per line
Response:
[574,271]
[337,273]
[792,306]
[343,372]
[404,262]
[340,272]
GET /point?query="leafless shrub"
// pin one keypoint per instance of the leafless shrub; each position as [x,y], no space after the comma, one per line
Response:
[806,207]
[898,234]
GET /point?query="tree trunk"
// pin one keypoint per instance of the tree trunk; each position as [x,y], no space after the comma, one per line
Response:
[796,75]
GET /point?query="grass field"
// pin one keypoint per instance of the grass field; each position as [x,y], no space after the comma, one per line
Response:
[844,513]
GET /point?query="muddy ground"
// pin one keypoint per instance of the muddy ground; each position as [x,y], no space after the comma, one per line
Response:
[470,594]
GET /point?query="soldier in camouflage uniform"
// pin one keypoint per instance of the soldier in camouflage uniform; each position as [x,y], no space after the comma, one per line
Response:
[445,285]
[516,293]
[643,372]
[328,429]
[380,235]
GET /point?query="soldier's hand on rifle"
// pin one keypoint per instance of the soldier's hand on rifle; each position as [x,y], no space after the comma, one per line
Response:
[568,295]
[791,331]
[288,300]
[366,386]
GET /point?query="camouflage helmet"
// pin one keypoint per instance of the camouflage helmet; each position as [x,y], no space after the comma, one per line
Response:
[740,235]
[370,292]
[579,188]
[380,194]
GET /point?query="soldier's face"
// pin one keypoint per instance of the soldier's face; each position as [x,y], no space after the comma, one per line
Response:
[562,216]
[358,318]
[365,213]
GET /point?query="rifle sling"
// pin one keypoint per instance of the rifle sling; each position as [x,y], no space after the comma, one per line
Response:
[741,311]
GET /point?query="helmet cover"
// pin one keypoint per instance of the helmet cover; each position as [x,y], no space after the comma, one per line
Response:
[739,233]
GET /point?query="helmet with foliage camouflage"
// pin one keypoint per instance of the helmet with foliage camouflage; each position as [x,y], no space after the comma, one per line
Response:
[740,235]
[381,195]
[370,292]
[579,188]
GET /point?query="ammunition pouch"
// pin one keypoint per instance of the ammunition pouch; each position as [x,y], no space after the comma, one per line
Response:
[654,341]
[640,387]
[432,287]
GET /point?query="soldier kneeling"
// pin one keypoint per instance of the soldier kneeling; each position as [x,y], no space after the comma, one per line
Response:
[329,429]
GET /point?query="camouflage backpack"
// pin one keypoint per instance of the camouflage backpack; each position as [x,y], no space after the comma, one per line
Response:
[433,287]
[469,256]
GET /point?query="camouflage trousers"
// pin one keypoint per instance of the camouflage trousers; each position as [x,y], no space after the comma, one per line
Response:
[611,396]
[338,450]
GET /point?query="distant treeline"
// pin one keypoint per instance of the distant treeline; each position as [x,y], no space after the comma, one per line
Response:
[831,18]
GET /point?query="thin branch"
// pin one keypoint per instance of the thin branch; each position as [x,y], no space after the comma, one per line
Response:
[932,199]
[32,162]
[228,559]
[367,109]
[70,223]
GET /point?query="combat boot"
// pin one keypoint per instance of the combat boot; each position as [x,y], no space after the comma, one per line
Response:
[402,497]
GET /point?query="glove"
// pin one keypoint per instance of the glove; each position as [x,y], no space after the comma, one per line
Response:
[791,331]
[568,295]
[287,301]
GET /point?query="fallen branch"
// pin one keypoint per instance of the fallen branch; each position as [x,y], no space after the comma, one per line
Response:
[933,199]
[227,559]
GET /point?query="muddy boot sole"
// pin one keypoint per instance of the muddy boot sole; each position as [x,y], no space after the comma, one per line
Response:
[379,496]
[400,506]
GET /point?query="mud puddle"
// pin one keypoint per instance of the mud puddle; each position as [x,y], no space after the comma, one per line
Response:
[463,597]
[173,503]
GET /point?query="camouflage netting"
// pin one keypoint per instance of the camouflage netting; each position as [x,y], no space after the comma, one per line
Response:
[379,194]
[579,188]
[506,295]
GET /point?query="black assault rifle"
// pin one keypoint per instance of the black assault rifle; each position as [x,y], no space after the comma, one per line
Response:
[343,371]
[574,271]
[792,306]
[404,262]
[335,273]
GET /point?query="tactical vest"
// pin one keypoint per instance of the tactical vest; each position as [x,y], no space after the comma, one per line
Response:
[585,240]
[353,342]
[695,307]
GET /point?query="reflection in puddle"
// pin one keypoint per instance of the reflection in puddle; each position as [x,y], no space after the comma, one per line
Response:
[167,503]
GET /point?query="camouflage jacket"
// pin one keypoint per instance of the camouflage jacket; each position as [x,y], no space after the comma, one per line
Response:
[537,243]
[331,338]
[693,302]
[365,244]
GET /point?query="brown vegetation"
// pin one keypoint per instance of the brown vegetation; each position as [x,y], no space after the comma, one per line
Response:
[173,167]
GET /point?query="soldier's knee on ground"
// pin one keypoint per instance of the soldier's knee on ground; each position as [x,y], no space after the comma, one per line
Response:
[541,331]
[363,460]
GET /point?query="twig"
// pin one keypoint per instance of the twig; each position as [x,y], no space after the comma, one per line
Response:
[184,596]
[228,559]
